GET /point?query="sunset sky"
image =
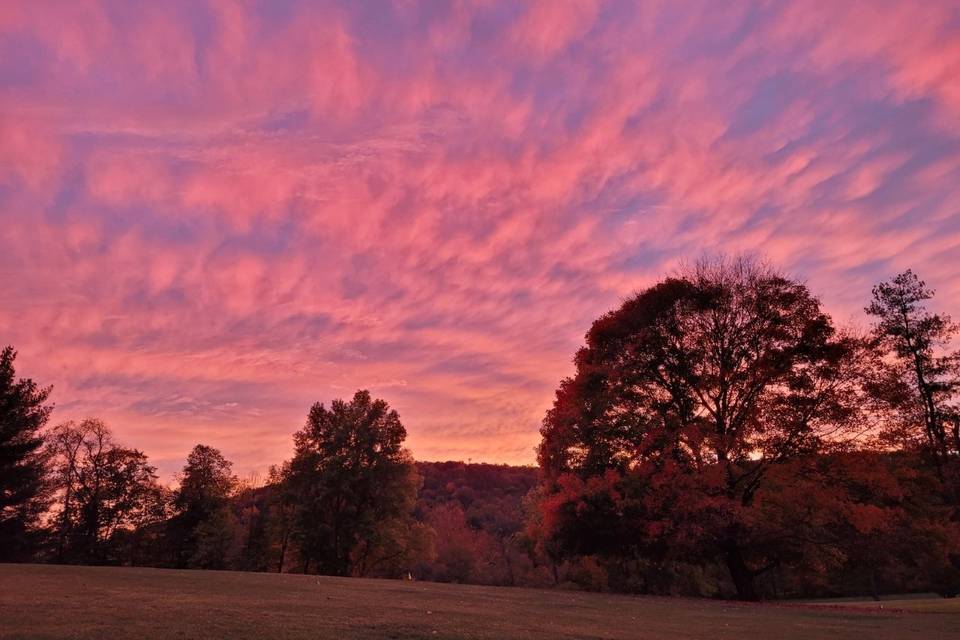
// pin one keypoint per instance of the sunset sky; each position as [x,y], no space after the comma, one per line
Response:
[213,214]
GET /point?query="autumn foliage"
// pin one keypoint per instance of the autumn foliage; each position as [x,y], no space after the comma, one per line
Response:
[719,420]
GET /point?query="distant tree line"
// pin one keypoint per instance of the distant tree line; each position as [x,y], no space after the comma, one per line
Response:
[720,437]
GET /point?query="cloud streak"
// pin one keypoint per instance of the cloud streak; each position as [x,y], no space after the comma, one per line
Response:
[214,214]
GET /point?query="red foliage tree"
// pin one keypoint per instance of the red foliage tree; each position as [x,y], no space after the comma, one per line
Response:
[683,402]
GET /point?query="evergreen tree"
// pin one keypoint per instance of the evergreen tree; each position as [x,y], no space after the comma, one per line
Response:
[918,341]
[23,413]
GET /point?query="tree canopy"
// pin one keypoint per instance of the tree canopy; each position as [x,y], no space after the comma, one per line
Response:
[201,528]
[350,475]
[696,386]
[104,489]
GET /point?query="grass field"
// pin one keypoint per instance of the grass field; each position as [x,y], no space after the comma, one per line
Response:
[925,603]
[42,601]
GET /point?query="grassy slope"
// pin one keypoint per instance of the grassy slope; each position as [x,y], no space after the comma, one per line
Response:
[38,601]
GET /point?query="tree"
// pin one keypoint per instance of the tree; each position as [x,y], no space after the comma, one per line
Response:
[282,503]
[64,445]
[397,547]
[916,340]
[491,503]
[104,489]
[23,414]
[201,530]
[684,399]
[458,547]
[352,481]
[860,520]
[921,388]
[252,508]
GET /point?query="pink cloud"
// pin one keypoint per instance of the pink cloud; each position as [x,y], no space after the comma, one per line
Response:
[549,26]
[216,214]
[29,152]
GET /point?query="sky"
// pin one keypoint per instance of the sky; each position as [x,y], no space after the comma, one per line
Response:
[214,214]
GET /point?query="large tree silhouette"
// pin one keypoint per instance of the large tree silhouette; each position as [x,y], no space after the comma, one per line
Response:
[201,530]
[352,479]
[683,400]
[103,489]
[23,413]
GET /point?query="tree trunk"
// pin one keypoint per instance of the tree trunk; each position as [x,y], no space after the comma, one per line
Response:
[283,553]
[956,434]
[505,550]
[65,523]
[740,573]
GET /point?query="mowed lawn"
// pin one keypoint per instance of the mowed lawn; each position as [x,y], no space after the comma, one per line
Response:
[43,601]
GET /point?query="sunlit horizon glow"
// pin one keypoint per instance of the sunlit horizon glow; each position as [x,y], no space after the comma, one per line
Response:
[217,213]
